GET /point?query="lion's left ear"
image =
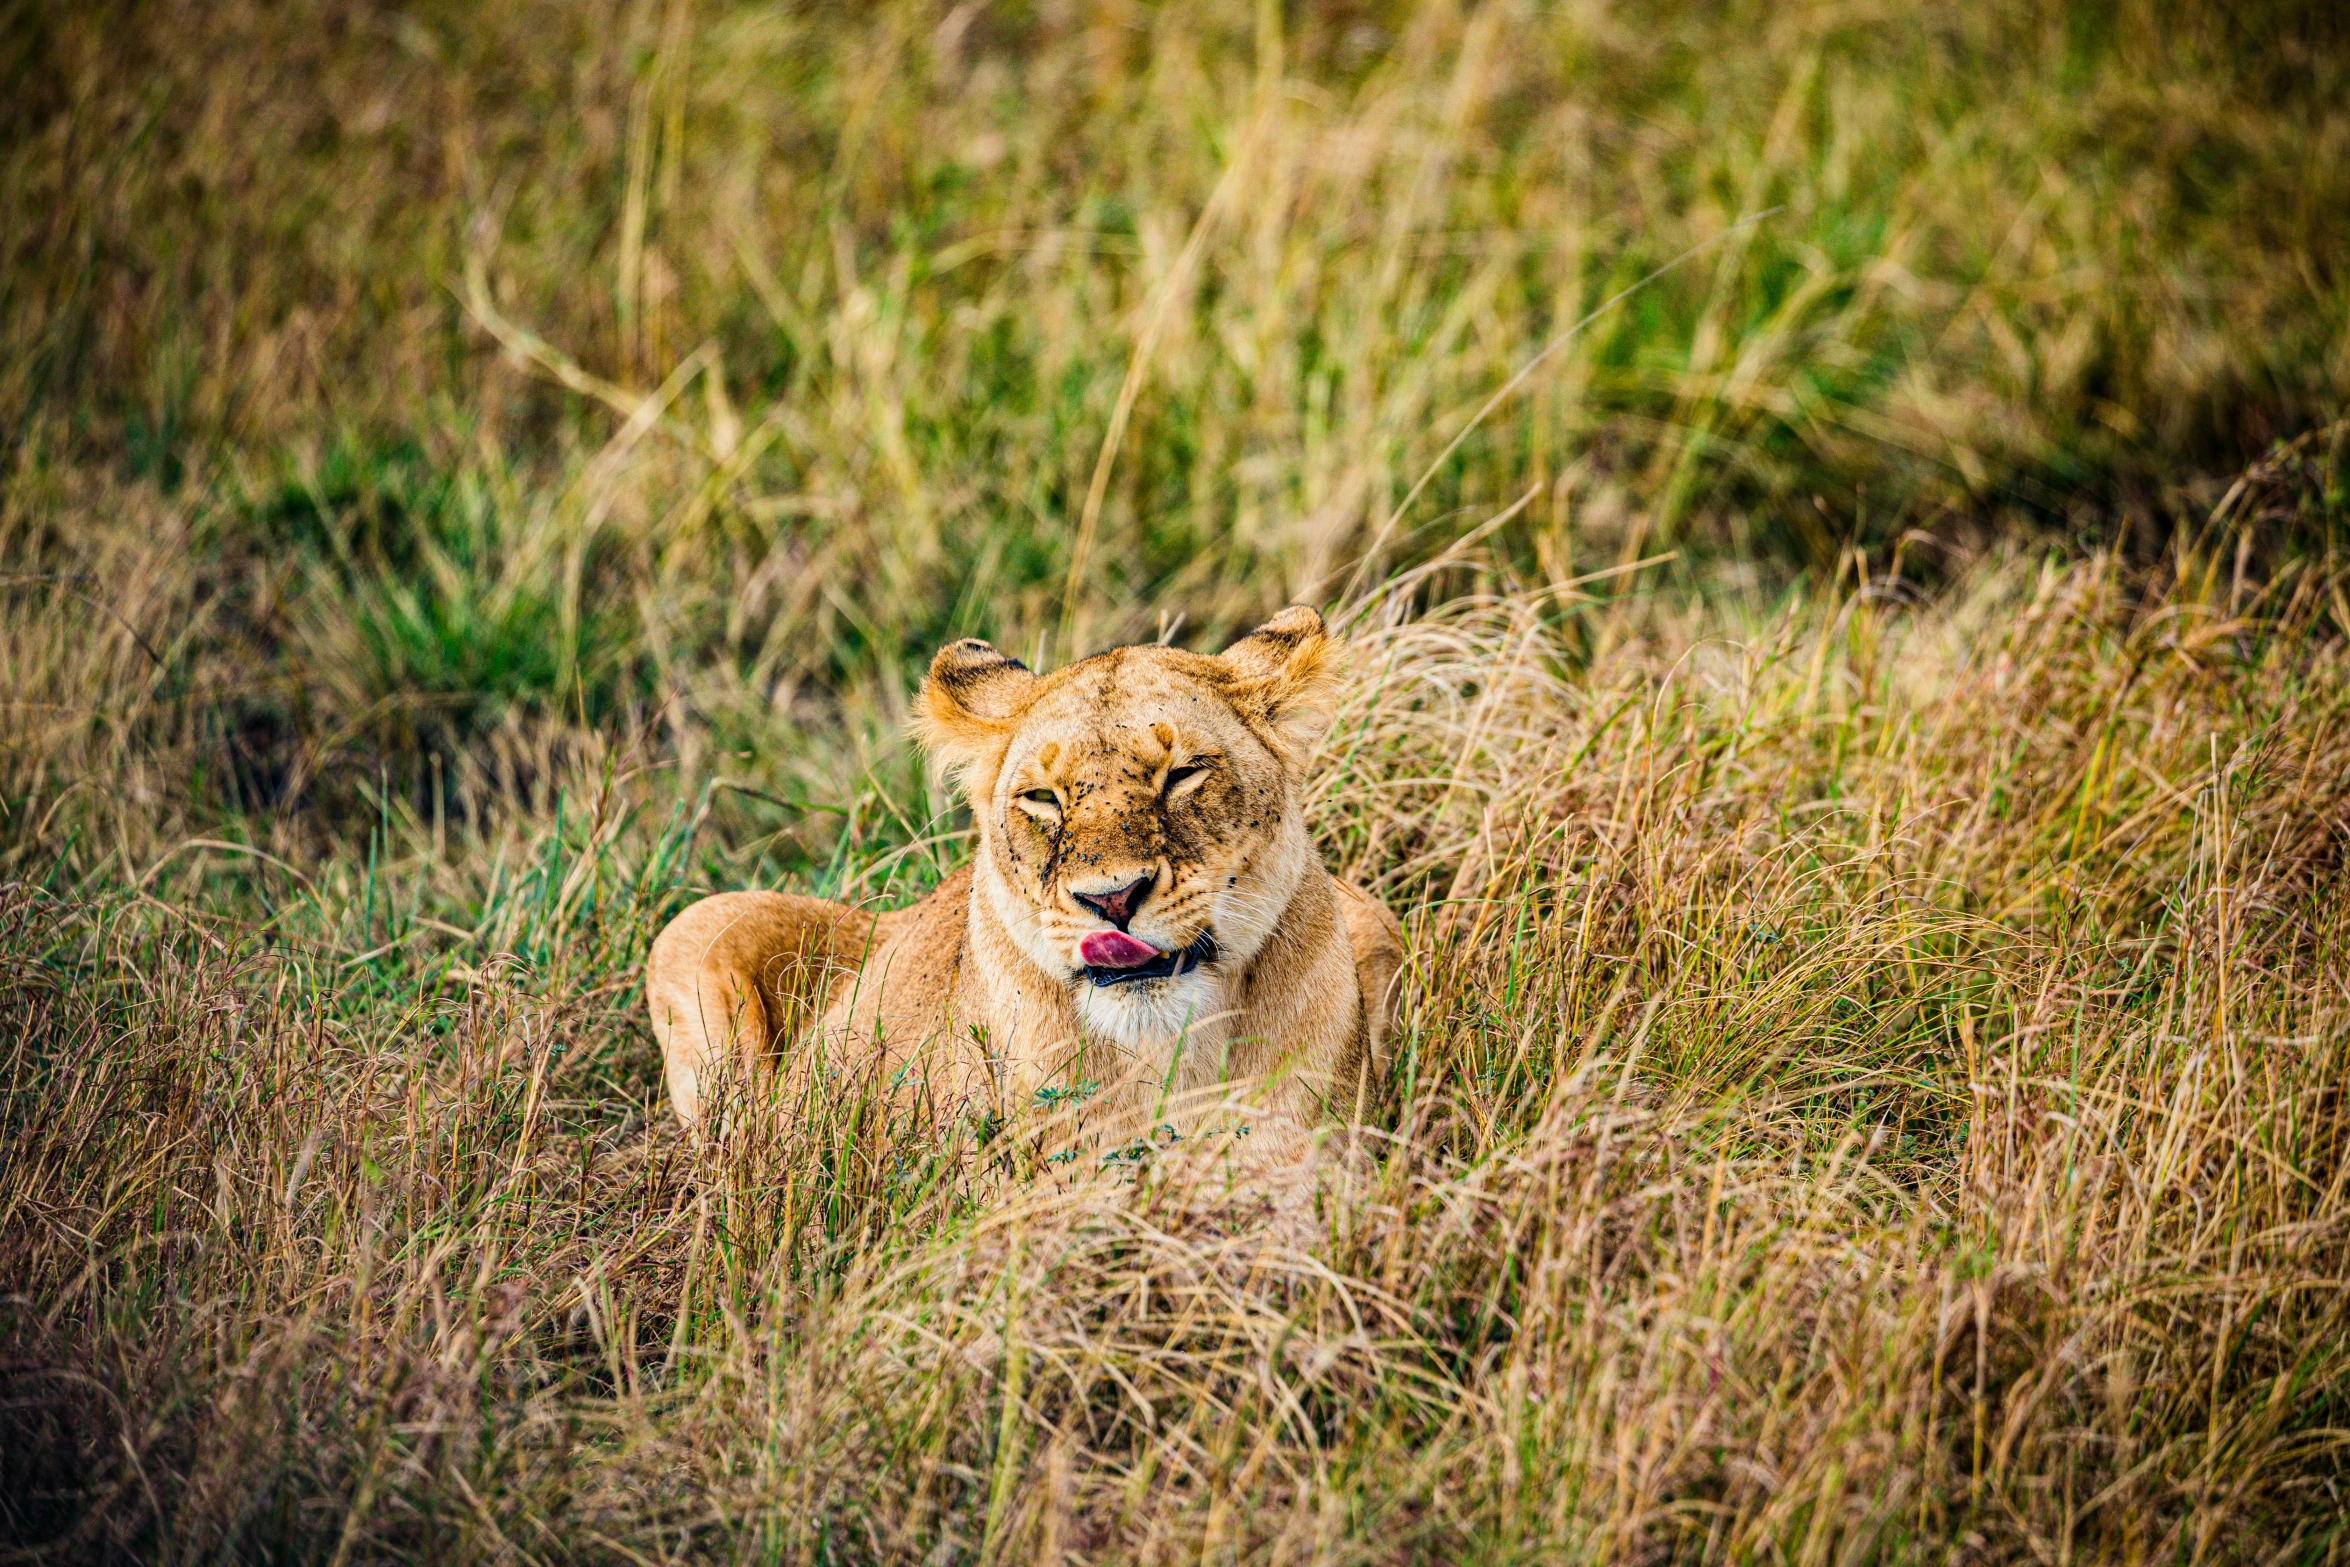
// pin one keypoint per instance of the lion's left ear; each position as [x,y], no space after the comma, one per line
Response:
[969,702]
[1286,673]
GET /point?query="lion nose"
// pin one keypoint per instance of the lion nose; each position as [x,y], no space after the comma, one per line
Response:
[1117,906]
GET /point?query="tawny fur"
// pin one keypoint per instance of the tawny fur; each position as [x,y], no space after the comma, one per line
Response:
[1146,764]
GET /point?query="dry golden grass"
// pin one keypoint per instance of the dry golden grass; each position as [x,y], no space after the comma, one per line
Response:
[1874,1090]
[1880,1013]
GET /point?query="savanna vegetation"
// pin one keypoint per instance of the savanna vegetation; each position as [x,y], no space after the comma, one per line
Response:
[1842,515]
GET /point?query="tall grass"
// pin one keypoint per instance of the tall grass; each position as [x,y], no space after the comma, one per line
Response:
[389,290]
[1860,738]
[1872,1090]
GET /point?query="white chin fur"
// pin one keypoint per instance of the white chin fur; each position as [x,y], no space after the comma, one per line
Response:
[1152,1012]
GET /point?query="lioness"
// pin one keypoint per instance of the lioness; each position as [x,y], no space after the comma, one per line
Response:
[1144,908]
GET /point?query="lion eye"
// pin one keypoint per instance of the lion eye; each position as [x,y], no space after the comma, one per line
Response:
[1178,775]
[1042,797]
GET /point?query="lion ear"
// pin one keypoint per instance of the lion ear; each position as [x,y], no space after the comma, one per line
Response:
[968,703]
[1286,674]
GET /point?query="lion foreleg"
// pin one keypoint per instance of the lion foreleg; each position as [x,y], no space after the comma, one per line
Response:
[734,976]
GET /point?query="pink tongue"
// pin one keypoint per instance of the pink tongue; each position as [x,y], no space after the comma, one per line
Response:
[1115,949]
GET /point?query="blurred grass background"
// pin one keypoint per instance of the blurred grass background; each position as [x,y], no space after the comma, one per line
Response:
[369,302]
[1857,734]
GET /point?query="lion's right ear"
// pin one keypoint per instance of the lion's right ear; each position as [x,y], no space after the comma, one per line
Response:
[968,703]
[1286,674]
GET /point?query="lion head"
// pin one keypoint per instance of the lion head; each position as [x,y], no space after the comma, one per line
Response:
[1139,814]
